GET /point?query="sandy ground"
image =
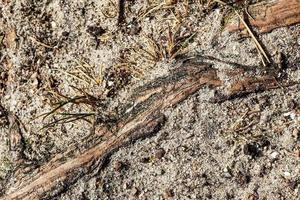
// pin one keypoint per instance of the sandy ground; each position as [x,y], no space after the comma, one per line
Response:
[51,50]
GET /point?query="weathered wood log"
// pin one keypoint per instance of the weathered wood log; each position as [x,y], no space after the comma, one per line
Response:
[245,86]
[269,15]
[142,116]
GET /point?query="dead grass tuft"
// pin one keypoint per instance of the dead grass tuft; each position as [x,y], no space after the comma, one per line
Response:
[169,45]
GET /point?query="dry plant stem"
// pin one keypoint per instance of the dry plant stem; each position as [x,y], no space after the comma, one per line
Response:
[254,38]
[257,44]
[143,119]
[40,43]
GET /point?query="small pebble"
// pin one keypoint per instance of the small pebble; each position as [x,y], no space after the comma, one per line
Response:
[296,134]
[160,172]
[252,150]
[292,104]
[146,160]
[160,153]
[226,173]
[119,166]
[274,155]
[110,83]
[53,24]
[168,193]
[243,178]
[251,197]
[287,174]
[257,169]
[134,191]
[128,184]
[297,153]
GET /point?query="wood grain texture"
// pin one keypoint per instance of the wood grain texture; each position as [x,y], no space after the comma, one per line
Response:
[139,120]
[269,15]
[141,116]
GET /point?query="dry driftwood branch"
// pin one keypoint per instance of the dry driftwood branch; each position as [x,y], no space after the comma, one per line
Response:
[269,15]
[142,116]
[142,119]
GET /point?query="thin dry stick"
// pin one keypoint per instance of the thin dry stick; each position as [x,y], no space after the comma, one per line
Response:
[155,8]
[72,75]
[261,50]
[40,43]
[254,38]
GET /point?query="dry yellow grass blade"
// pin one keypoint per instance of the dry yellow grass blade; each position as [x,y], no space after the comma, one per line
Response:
[155,9]
[40,43]
[261,51]
[254,38]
